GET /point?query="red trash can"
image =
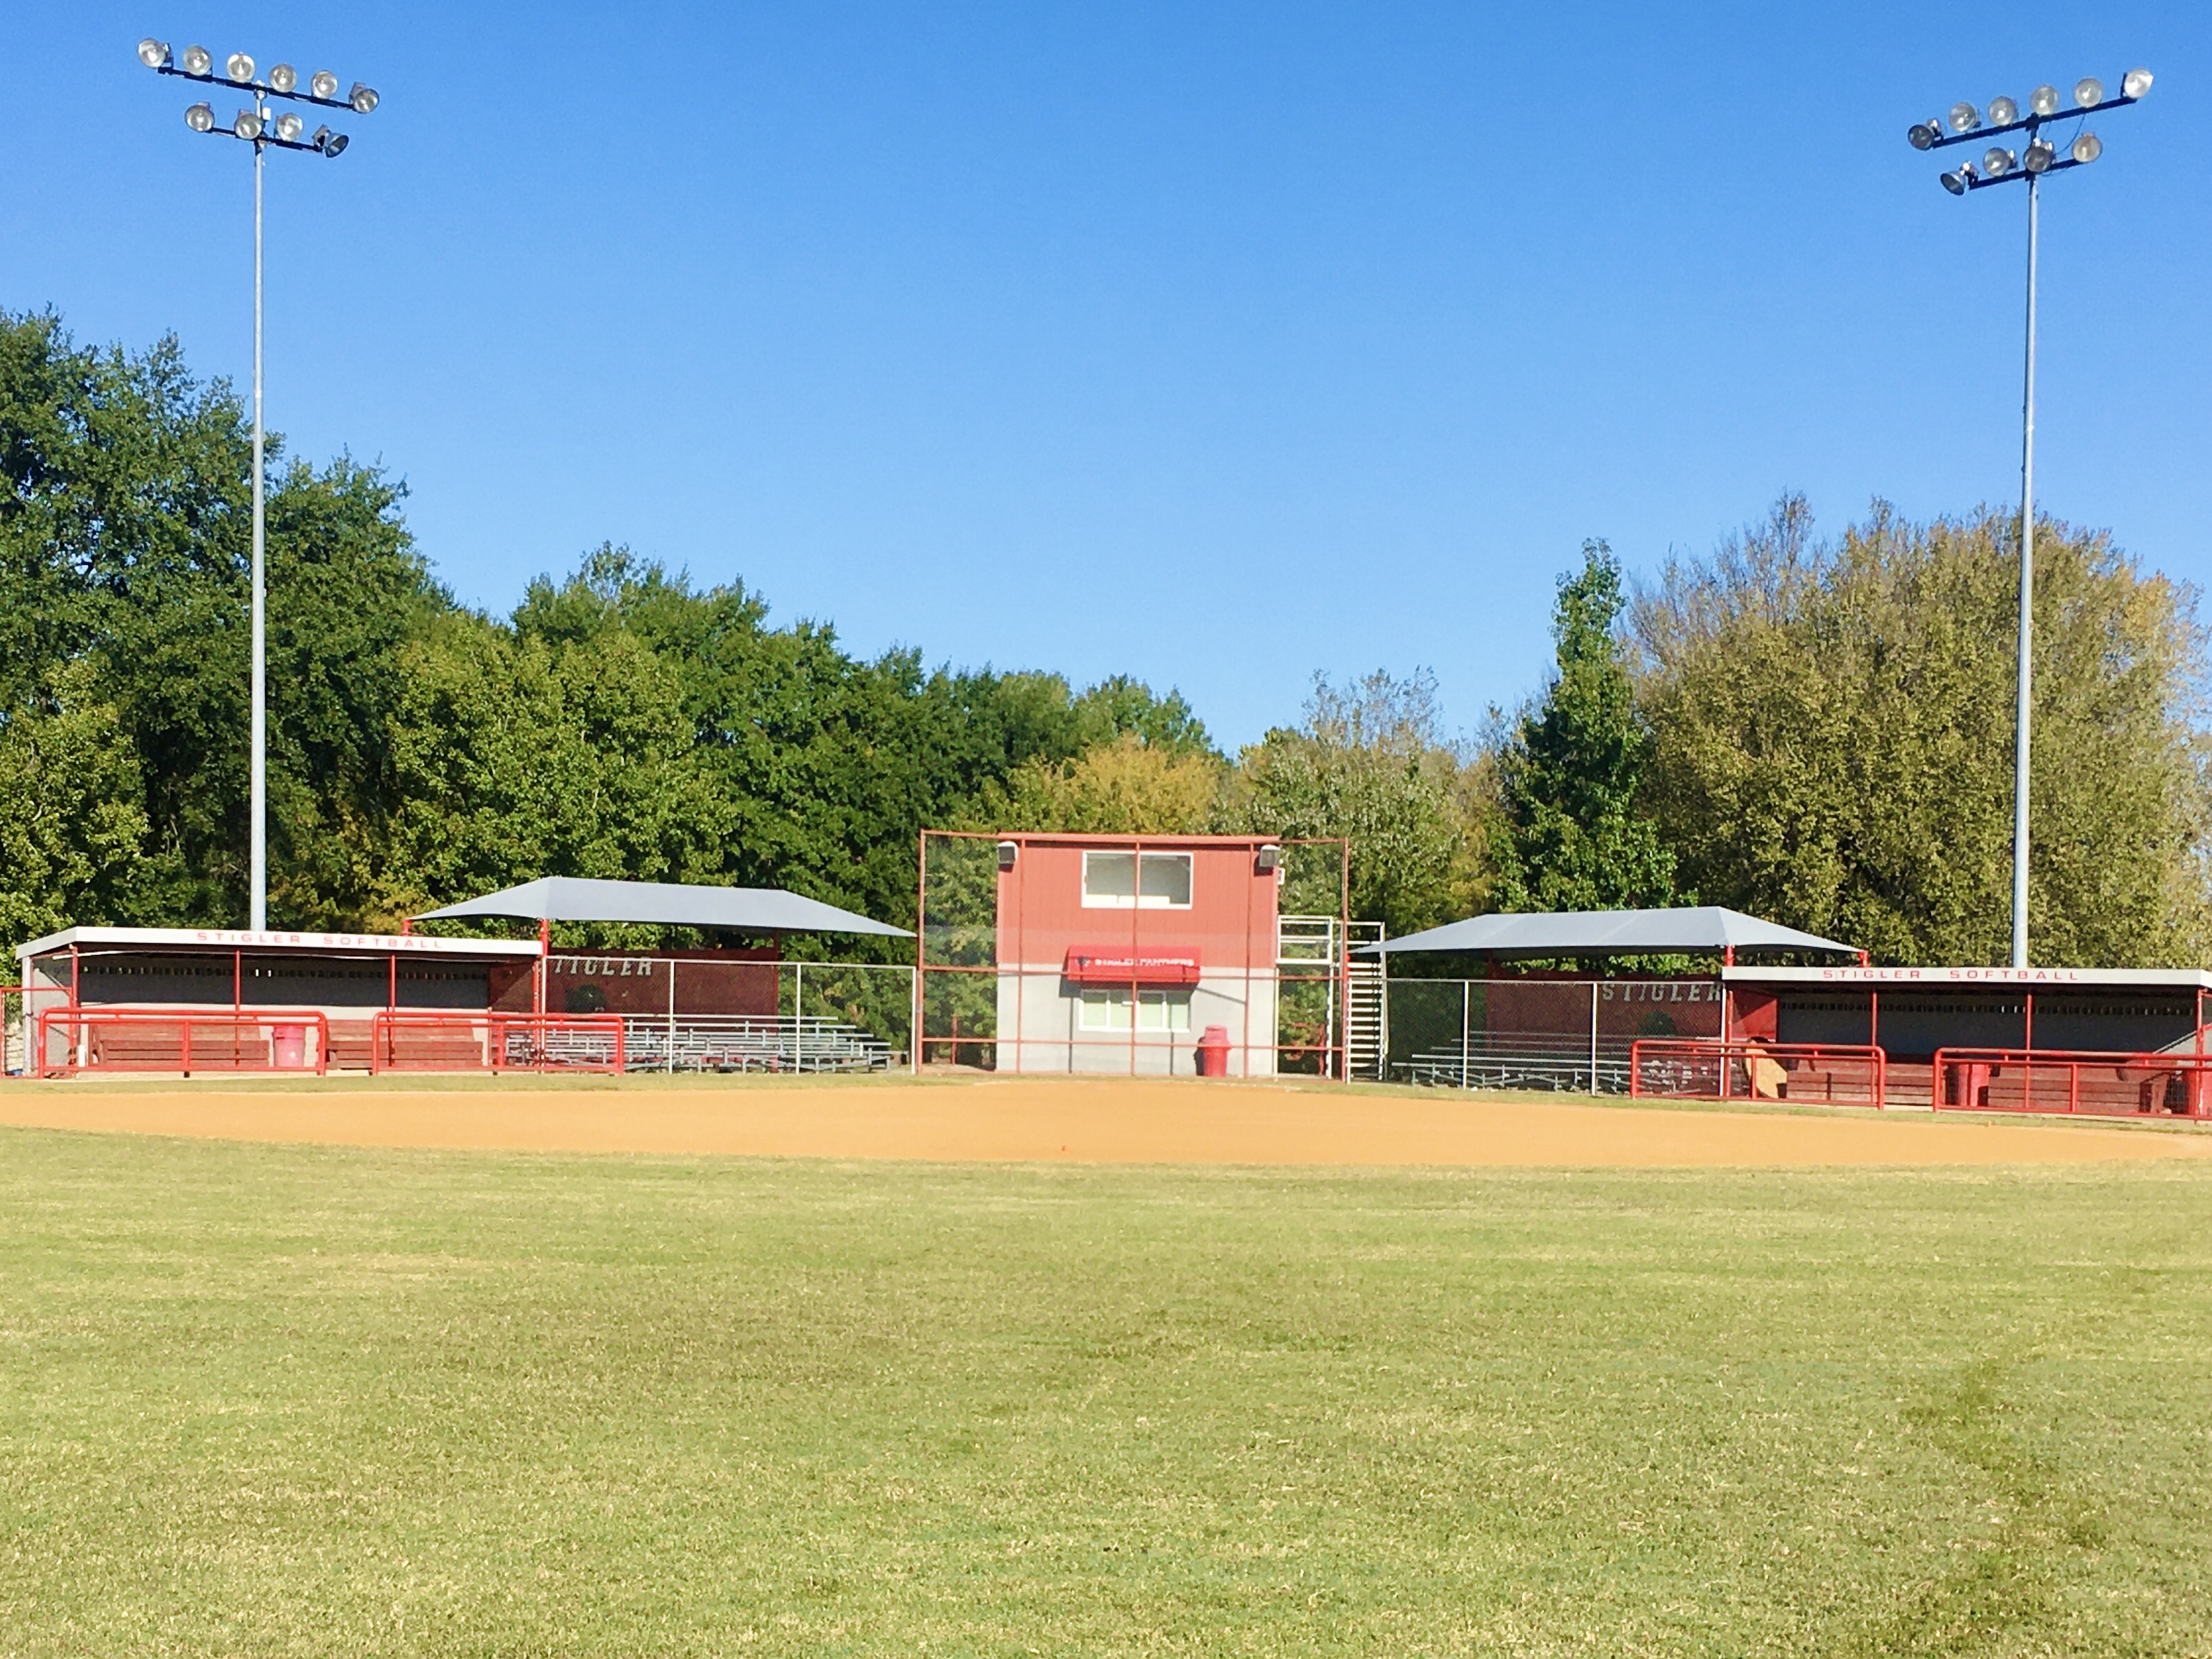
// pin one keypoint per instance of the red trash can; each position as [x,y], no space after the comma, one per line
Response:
[290,1044]
[1214,1052]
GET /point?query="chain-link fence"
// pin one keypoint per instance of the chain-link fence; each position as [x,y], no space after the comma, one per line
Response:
[13,1034]
[1537,1033]
[727,1011]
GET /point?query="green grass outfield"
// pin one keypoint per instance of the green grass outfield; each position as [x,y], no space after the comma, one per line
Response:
[259,1400]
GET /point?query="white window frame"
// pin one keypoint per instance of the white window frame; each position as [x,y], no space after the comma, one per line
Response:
[1106,1002]
[1140,900]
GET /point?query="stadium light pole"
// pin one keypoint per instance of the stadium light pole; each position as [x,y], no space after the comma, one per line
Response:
[255,127]
[1963,124]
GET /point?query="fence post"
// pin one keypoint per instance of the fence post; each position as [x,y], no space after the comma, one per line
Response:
[799,1016]
[669,1068]
[1593,1037]
[1466,997]
[914,1021]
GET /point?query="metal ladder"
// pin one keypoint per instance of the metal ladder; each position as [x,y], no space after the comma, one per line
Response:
[1366,1004]
[1362,1024]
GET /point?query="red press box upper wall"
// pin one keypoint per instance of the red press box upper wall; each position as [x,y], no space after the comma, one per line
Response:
[1230,924]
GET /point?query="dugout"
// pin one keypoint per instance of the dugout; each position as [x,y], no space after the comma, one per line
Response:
[2107,1038]
[2110,1041]
[94,998]
[214,999]
[1521,1019]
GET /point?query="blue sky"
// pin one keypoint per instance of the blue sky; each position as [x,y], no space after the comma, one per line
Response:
[1217,345]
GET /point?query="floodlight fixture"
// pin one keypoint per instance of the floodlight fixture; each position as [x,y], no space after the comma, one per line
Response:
[2040,155]
[2044,101]
[1924,134]
[289,126]
[2086,149]
[1964,117]
[198,61]
[152,53]
[283,79]
[246,123]
[1008,852]
[2004,111]
[1959,181]
[1997,161]
[200,117]
[2089,91]
[2135,83]
[328,142]
[363,98]
[325,85]
[238,66]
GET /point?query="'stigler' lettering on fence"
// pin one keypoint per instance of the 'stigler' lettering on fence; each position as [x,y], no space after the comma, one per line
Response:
[604,967]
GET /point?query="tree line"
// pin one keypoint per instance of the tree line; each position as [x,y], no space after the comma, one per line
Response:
[1818,732]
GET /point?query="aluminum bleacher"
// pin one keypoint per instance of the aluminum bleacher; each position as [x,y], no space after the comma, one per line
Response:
[753,1042]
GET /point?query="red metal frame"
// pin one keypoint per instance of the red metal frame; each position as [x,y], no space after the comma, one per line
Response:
[489,1034]
[230,1054]
[1706,1068]
[2072,1083]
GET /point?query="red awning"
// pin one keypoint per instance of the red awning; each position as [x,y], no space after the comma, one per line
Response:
[1116,964]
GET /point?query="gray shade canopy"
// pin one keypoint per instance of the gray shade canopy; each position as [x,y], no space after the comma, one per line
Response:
[670,904]
[1706,929]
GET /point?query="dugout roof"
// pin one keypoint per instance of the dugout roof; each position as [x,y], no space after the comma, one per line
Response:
[1700,930]
[204,940]
[668,904]
[1974,978]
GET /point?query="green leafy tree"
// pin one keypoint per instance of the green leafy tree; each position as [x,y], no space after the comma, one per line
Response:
[123,569]
[1124,787]
[1121,707]
[1834,739]
[824,770]
[349,594]
[123,544]
[514,757]
[1370,764]
[72,813]
[1575,837]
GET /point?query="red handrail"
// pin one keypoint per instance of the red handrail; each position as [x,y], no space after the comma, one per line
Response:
[80,1025]
[2118,1084]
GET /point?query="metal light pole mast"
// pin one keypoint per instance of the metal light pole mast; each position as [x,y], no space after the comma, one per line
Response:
[2021,713]
[258,857]
[1963,124]
[255,127]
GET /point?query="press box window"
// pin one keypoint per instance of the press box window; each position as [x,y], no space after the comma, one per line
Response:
[1108,1010]
[1131,881]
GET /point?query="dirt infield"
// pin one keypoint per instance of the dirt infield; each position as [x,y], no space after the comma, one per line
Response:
[1054,1120]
